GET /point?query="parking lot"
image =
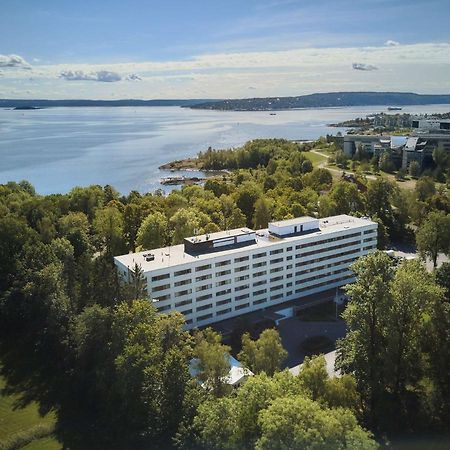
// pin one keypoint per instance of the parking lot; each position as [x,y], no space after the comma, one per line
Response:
[294,331]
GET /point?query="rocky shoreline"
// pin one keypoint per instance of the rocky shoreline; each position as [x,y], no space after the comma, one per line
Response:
[183,164]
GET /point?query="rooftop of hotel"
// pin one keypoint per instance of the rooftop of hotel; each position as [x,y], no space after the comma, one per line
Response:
[295,221]
[175,255]
[220,235]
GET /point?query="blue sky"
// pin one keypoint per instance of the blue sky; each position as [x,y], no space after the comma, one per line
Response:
[218,49]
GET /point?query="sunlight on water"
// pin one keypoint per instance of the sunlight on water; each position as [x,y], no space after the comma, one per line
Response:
[59,148]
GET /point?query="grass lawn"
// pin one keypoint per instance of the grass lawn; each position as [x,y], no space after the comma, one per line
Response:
[315,158]
[19,420]
[48,443]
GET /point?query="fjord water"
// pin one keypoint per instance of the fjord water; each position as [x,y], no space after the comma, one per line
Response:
[59,148]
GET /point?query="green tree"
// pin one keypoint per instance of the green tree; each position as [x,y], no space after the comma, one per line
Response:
[425,188]
[262,214]
[108,224]
[414,169]
[300,423]
[413,295]
[187,222]
[378,198]
[132,219]
[266,354]
[362,351]
[347,198]
[443,278]
[386,164]
[153,231]
[136,288]
[440,157]
[246,197]
[433,236]
[212,361]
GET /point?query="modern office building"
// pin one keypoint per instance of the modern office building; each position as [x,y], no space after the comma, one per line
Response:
[216,276]
[402,149]
[431,125]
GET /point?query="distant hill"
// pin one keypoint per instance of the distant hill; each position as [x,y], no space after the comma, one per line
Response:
[331,99]
[42,103]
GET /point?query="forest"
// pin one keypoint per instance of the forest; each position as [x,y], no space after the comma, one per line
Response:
[90,348]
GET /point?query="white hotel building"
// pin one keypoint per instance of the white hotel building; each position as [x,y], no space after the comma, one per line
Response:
[216,276]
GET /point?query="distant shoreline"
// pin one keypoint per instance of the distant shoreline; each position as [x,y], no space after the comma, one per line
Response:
[318,100]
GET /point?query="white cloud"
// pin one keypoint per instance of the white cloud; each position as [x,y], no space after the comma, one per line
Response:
[391,43]
[133,77]
[80,75]
[422,68]
[14,61]
[363,66]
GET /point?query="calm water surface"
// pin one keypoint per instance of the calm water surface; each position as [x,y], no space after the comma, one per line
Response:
[58,148]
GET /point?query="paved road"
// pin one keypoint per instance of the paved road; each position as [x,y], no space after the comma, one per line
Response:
[294,331]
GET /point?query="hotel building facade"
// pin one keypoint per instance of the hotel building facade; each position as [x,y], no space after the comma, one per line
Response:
[221,275]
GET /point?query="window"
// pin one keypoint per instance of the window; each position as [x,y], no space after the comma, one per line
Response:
[276,260]
[224,272]
[182,282]
[259,274]
[276,252]
[180,293]
[242,258]
[260,264]
[205,317]
[276,288]
[161,298]
[163,308]
[202,298]
[277,269]
[241,288]
[258,302]
[259,255]
[241,269]
[259,283]
[224,302]
[160,288]
[244,305]
[182,272]
[161,277]
[203,277]
[223,282]
[201,268]
[223,311]
[241,297]
[278,278]
[289,258]
[242,278]
[224,292]
[276,297]
[203,307]
[182,303]
[289,249]
[222,263]
[203,288]
[260,292]
[186,311]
